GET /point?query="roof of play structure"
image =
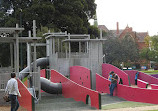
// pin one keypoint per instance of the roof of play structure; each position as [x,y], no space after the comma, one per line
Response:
[83,40]
[21,39]
[66,35]
[5,35]
[10,30]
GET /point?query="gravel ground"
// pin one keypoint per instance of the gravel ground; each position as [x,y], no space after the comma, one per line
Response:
[7,108]
[2,102]
[145,108]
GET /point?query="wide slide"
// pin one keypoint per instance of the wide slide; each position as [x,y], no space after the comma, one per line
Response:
[46,85]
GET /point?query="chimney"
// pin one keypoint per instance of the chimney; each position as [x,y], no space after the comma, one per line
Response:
[117,28]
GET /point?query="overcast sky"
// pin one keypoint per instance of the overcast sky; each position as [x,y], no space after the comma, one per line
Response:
[141,15]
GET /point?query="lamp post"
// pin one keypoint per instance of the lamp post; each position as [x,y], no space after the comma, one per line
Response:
[21,52]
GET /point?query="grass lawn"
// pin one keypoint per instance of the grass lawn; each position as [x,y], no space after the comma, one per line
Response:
[125,104]
[152,110]
[151,72]
[24,79]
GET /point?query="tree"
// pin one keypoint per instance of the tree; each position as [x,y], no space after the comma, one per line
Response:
[73,15]
[151,53]
[63,15]
[154,43]
[60,15]
[111,49]
[129,49]
[4,55]
[117,51]
[93,31]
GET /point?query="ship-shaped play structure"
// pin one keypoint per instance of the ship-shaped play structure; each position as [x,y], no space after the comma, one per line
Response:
[80,75]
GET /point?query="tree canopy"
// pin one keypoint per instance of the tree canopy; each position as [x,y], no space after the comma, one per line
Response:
[61,15]
[120,50]
[58,15]
[151,53]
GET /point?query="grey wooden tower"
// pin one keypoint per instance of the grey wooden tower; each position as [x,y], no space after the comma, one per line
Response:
[61,57]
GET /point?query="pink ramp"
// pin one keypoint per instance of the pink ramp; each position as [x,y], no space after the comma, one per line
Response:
[141,76]
[71,89]
[26,100]
[43,73]
[81,75]
[107,68]
[142,84]
[127,92]
[102,84]
[154,86]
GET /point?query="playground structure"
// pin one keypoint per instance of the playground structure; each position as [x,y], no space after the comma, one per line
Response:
[91,56]
[138,94]
[83,67]
[11,36]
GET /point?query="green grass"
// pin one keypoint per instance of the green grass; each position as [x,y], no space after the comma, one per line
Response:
[125,105]
[24,79]
[151,72]
[153,110]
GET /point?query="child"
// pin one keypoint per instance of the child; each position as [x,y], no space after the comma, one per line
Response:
[136,77]
[110,75]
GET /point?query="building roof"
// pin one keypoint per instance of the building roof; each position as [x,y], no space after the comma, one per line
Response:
[114,32]
[103,27]
[141,36]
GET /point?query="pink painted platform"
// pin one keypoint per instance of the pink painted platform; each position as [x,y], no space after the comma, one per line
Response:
[142,76]
[127,92]
[26,100]
[142,84]
[107,68]
[140,94]
[81,75]
[71,89]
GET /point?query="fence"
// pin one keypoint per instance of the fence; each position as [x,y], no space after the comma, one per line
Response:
[73,55]
[4,77]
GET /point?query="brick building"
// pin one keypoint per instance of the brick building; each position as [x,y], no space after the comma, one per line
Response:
[121,33]
[139,37]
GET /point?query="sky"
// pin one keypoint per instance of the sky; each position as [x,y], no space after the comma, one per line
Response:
[141,15]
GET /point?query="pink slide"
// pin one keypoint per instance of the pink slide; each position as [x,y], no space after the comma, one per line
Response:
[125,91]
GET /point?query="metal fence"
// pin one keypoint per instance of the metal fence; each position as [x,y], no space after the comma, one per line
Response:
[4,77]
[73,55]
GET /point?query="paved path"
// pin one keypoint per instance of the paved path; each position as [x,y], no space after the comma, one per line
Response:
[51,102]
[106,99]
[2,102]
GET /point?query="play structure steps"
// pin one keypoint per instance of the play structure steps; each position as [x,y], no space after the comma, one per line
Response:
[54,102]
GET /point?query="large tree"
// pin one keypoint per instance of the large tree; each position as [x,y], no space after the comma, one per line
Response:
[151,53]
[129,49]
[60,15]
[63,15]
[121,50]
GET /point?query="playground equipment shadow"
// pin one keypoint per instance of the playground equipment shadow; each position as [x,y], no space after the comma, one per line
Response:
[54,102]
